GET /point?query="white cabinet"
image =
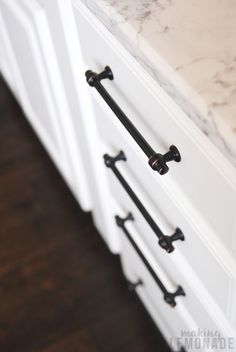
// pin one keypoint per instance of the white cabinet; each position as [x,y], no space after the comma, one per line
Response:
[41,91]
[198,181]
[32,80]
[185,197]
[47,47]
[82,117]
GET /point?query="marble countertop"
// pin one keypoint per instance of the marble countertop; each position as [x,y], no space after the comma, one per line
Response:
[189,47]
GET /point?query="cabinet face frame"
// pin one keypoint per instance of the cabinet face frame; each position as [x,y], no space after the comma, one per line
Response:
[84,118]
[54,60]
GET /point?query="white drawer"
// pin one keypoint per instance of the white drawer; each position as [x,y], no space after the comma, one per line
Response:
[199,250]
[201,177]
[189,315]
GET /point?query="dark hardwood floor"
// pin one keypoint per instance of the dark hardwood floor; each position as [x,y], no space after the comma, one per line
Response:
[60,288]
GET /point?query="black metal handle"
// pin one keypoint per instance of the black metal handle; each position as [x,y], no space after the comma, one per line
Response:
[165,242]
[157,161]
[169,297]
[133,285]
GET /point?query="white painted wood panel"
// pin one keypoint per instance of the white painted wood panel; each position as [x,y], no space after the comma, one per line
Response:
[31,80]
[61,20]
[57,66]
[188,315]
[42,91]
[204,177]
[199,242]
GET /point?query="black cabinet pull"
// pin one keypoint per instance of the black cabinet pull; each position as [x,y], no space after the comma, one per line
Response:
[165,242]
[157,161]
[169,297]
[133,285]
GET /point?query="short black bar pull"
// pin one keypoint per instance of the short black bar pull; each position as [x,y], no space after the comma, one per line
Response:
[133,285]
[165,242]
[157,161]
[169,297]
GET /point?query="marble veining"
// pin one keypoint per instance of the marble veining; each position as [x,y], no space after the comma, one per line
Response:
[189,47]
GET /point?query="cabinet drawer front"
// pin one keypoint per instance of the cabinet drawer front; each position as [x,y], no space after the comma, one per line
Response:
[198,249]
[188,315]
[204,265]
[199,177]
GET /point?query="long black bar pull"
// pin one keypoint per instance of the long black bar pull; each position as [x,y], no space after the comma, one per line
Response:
[165,242]
[157,161]
[169,297]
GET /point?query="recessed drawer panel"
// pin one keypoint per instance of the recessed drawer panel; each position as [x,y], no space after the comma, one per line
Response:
[201,174]
[189,314]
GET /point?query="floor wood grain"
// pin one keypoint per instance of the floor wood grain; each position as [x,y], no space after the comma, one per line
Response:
[60,288]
